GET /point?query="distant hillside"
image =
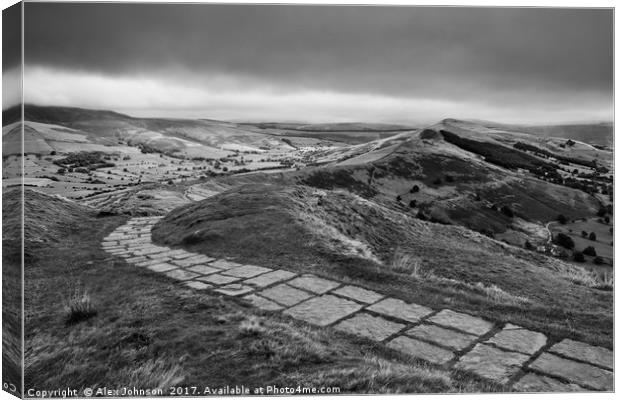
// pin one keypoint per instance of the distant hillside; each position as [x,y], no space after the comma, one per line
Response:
[48,128]
[333,127]
[600,134]
[57,115]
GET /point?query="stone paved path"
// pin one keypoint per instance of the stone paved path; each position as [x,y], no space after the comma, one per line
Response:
[511,355]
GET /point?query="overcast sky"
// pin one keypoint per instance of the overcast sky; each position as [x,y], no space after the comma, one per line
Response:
[322,63]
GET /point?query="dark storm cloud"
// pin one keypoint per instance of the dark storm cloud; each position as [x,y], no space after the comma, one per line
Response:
[11,36]
[321,63]
[395,50]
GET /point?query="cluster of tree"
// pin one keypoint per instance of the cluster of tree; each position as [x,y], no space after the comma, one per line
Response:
[591,236]
[501,155]
[90,160]
[562,239]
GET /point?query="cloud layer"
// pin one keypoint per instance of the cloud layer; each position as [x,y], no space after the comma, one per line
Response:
[320,63]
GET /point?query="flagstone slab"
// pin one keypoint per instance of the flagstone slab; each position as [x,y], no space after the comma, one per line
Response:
[314,284]
[150,250]
[442,336]
[141,241]
[181,254]
[285,295]
[111,250]
[149,262]
[235,289]
[269,278]
[119,252]
[246,271]
[163,259]
[174,253]
[161,267]
[371,327]
[492,363]
[218,279]
[198,285]
[323,310]
[359,294]
[263,303]
[181,274]
[462,322]
[187,262]
[582,351]
[421,350]
[225,264]
[399,309]
[516,338]
[203,269]
[580,373]
[159,256]
[137,259]
[541,383]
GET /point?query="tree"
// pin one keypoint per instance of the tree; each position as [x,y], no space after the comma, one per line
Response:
[437,181]
[562,219]
[562,239]
[413,204]
[584,234]
[570,143]
[578,256]
[607,219]
[398,198]
[449,178]
[598,260]
[528,245]
[590,251]
[507,211]
[61,171]
[592,236]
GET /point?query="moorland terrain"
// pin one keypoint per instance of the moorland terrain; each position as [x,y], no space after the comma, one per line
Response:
[510,223]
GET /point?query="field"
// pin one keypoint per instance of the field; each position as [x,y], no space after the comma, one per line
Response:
[603,243]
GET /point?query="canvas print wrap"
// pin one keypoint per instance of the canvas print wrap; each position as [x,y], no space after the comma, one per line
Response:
[216,199]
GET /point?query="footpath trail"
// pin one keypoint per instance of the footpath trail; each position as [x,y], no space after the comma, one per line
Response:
[507,354]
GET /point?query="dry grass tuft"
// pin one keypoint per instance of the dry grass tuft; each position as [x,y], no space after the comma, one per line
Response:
[405,263]
[284,345]
[582,276]
[79,307]
[606,282]
[409,264]
[155,374]
[498,295]
[376,375]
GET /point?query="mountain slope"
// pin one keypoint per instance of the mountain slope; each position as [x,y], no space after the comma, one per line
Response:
[339,234]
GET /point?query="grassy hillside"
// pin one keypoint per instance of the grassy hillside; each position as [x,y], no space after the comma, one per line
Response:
[441,181]
[11,287]
[151,332]
[341,235]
